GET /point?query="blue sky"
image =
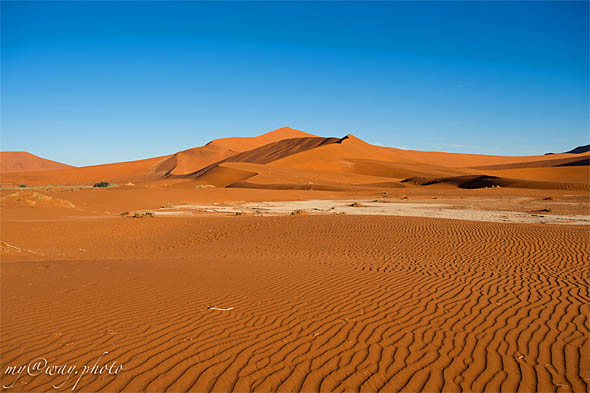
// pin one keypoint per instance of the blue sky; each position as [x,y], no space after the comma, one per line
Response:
[94,82]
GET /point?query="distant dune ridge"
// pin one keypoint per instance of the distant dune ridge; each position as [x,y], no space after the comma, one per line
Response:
[580,149]
[291,159]
[20,161]
[576,150]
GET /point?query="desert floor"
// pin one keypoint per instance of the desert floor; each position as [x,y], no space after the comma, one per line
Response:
[194,297]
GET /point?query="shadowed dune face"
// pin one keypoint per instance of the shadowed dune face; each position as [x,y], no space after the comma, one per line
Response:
[270,152]
[485,181]
[580,149]
[564,175]
[188,162]
[284,148]
[331,157]
[569,161]
[249,143]
[225,304]
[20,161]
[191,160]
[581,162]
[153,169]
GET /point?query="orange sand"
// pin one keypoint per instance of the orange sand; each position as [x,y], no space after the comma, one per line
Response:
[320,303]
[296,152]
[20,161]
[303,302]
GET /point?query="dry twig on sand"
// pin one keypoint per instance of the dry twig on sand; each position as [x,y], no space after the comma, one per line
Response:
[220,308]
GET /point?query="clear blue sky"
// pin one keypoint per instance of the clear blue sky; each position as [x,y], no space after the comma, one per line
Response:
[87,83]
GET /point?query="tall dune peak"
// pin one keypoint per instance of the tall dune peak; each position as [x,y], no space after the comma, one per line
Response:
[351,139]
[251,142]
[287,132]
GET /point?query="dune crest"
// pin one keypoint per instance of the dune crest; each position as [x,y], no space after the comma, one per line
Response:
[21,161]
[248,143]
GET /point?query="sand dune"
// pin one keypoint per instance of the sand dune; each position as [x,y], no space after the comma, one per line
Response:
[271,152]
[249,143]
[286,178]
[486,181]
[151,169]
[286,158]
[580,149]
[189,161]
[569,161]
[568,174]
[335,157]
[580,162]
[399,170]
[123,172]
[20,161]
[250,165]
[223,176]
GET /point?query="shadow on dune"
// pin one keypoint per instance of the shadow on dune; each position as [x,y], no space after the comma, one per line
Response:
[485,181]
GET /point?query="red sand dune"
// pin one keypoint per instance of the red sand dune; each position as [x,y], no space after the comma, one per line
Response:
[312,303]
[321,161]
[300,160]
[192,160]
[337,157]
[268,177]
[486,181]
[19,161]
[222,176]
[579,160]
[122,172]
[568,174]
[249,143]
[271,152]
[153,169]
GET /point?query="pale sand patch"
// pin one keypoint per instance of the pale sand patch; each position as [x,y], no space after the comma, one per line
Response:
[377,208]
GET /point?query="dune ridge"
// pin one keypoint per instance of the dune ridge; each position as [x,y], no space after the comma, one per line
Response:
[286,157]
[20,161]
[269,152]
[486,181]
[569,161]
[190,161]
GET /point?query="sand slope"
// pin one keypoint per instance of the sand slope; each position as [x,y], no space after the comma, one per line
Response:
[580,149]
[249,143]
[192,160]
[581,160]
[151,169]
[568,174]
[287,178]
[19,161]
[334,157]
[132,171]
[486,181]
[268,153]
